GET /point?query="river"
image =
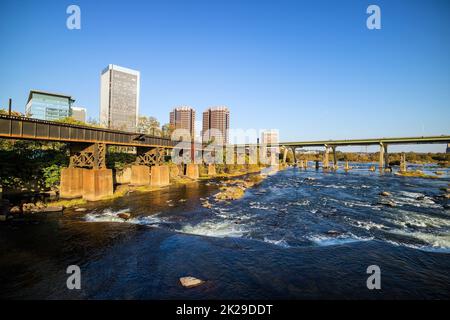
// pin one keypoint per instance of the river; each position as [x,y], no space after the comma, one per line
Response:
[296,235]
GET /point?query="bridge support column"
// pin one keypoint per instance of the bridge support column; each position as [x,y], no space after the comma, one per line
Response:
[285,152]
[403,167]
[382,156]
[386,158]
[335,164]
[326,158]
[346,168]
[71,185]
[140,175]
[87,175]
[295,157]
[160,176]
[211,170]
[97,184]
[192,171]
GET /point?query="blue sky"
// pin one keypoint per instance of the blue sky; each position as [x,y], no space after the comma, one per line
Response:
[308,68]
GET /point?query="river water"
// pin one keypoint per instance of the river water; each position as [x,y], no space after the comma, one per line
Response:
[297,235]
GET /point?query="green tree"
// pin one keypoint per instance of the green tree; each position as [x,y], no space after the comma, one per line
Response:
[149,125]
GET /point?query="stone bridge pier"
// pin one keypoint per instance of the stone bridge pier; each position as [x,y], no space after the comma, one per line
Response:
[148,168]
[384,157]
[87,175]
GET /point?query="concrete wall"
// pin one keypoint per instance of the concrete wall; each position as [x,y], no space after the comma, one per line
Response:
[140,175]
[91,184]
[124,176]
[97,184]
[71,185]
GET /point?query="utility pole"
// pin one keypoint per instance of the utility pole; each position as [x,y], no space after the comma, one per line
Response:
[10,106]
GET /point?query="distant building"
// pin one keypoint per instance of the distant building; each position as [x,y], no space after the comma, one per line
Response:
[48,106]
[270,137]
[79,114]
[448,148]
[119,98]
[216,118]
[183,118]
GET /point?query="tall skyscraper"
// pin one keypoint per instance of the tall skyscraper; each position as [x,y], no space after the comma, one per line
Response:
[119,98]
[183,118]
[79,114]
[216,118]
[48,106]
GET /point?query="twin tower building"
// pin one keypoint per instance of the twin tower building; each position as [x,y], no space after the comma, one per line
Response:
[119,106]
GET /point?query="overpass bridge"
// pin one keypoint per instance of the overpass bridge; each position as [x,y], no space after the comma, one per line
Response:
[332,145]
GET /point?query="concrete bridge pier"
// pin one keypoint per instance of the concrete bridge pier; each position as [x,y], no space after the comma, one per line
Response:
[346,168]
[87,175]
[192,171]
[403,167]
[295,157]
[211,170]
[335,163]
[384,157]
[285,152]
[71,185]
[97,184]
[140,175]
[159,175]
[326,158]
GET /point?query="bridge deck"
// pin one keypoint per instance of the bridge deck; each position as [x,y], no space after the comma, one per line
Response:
[12,127]
[357,142]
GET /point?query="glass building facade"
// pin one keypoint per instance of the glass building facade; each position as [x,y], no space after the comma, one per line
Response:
[48,106]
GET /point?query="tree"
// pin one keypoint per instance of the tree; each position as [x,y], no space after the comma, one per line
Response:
[167,130]
[149,125]
[13,113]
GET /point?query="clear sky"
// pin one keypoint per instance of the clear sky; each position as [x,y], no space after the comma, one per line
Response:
[311,69]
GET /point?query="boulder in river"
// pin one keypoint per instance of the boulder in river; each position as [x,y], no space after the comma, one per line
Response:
[125,215]
[15,210]
[80,209]
[385,194]
[388,203]
[190,282]
[334,233]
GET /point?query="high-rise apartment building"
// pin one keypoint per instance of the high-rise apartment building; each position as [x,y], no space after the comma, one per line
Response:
[79,114]
[183,118]
[216,118]
[48,106]
[119,98]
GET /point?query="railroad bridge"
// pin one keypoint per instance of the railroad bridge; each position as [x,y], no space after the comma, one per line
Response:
[87,175]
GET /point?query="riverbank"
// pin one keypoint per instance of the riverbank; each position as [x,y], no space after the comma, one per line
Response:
[39,206]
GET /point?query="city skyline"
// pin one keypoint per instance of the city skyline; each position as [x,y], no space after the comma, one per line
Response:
[303,80]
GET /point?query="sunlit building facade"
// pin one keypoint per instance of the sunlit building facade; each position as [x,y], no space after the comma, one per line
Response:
[217,118]
[48,106]
[183,118]
[119,98]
